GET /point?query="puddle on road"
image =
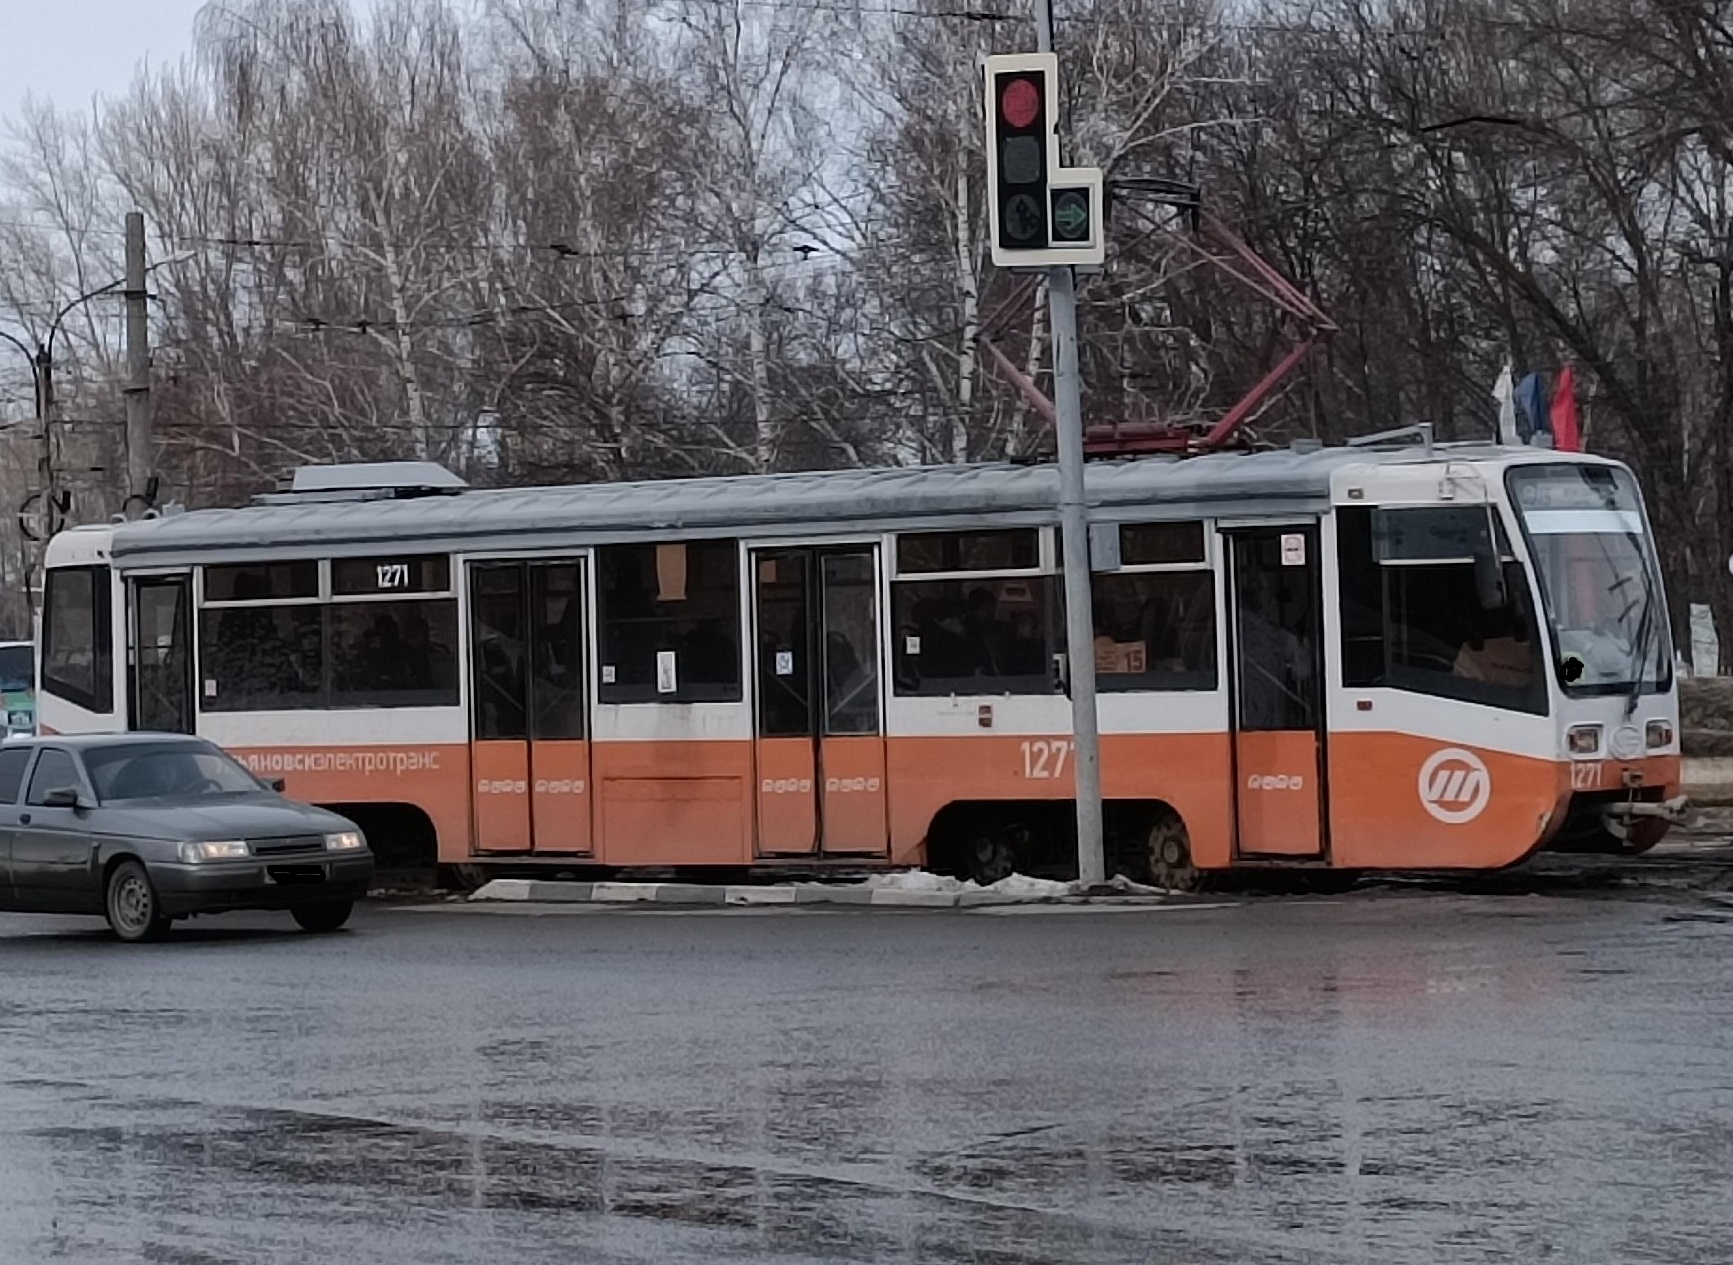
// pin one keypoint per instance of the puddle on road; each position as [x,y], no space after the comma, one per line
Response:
[1002,1205]
[1425,1169]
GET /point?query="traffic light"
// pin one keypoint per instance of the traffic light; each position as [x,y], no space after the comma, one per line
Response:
[1021,152]
[1073,223]
[1040,215]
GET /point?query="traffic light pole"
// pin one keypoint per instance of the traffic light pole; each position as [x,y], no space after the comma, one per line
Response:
[1074,538]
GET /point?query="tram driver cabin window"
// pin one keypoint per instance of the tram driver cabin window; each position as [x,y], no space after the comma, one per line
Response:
[669,622]
[1423,608]
[77,661]
[974,614]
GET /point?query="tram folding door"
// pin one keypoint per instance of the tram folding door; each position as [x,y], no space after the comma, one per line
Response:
[1278,690]
[530,769]
[160,669]
[819,743]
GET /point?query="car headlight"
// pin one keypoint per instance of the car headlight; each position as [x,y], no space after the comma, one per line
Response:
[227,850]
[345,841]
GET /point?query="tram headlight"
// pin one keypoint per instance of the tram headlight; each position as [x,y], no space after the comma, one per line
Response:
[1659,733]
[1583,739]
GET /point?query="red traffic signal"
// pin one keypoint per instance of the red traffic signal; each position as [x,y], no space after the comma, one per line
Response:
[1020,102]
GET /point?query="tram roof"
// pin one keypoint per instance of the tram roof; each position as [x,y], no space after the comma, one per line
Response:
[816,503]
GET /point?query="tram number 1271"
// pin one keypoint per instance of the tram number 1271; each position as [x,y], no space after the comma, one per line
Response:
[1046,758]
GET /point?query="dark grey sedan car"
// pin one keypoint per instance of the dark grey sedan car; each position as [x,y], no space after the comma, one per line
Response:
[149,828]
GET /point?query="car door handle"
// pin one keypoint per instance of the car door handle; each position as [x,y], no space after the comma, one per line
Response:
[24,819]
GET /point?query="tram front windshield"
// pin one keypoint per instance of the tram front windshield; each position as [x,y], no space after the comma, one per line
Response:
[1598,577]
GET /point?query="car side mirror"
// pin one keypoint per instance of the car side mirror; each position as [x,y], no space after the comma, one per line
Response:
[278,784]
[63,797]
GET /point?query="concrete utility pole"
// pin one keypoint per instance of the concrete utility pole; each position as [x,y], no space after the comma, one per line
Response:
[139,458]
[48,462]
[1074,535]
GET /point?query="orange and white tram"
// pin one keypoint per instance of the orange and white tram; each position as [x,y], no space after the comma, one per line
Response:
[1365,657]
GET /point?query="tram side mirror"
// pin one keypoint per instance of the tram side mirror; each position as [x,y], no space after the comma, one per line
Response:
[1061,676]
[1489,583]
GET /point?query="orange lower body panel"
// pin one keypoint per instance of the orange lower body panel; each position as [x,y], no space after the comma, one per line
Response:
[501,779]
[787,797]
[1188,771]
[673,803]
[856,816]
[1396,800]
[1278,792]
[560,796]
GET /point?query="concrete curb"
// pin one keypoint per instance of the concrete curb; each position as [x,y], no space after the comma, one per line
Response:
[758,896]
[824,894]
[914,900]
[539,891]
[1708,780]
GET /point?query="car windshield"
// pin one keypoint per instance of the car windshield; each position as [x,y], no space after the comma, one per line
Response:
[17,668]
[1598,576]
[156,770]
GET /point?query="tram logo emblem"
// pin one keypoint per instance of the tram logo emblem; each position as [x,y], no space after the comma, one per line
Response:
[1454,785]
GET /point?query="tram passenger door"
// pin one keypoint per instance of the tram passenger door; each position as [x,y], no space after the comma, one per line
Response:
[530,770]
[1278,690]
[160,669]
[819,740]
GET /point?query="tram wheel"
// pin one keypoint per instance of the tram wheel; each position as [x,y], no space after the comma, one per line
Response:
[1168,853]
[992,856]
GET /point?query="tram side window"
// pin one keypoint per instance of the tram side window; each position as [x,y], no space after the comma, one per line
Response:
[394,654]
[930,552]
[669,620]
[1155,630]
[1414,614]
[392,632]
[77,655]
[974,634]
[261,658]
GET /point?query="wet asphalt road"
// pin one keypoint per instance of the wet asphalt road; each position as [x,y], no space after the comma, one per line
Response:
[1396,1076]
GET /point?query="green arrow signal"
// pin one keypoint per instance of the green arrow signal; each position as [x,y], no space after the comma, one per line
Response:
[1071,214]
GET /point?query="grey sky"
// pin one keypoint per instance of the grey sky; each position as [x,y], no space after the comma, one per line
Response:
[70,50]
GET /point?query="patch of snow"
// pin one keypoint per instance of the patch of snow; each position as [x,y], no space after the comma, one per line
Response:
[1016,886]
[1021,885]
[918,881]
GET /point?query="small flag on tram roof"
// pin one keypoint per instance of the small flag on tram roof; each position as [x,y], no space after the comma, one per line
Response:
[1505,395]
[1531,397]
[1567,435]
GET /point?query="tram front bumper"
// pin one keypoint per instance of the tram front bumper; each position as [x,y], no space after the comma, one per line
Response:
[1622,816]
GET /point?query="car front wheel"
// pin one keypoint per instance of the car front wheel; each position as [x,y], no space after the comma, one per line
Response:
[323,918]
[131,904]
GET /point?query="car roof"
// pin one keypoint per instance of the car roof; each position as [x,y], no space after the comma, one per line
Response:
[89,742]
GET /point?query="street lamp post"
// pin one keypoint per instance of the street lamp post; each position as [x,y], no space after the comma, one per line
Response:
[42,372]
[41,360]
